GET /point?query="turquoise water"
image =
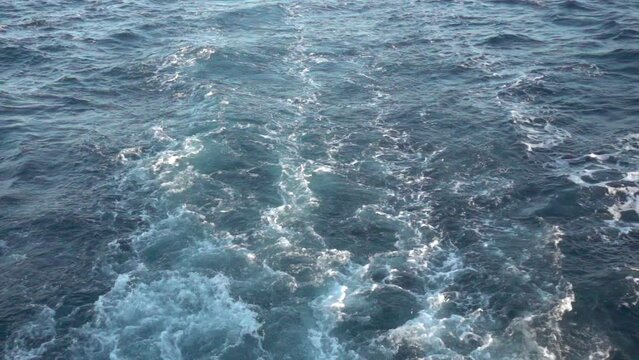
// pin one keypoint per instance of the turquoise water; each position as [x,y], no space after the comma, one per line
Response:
[319,179]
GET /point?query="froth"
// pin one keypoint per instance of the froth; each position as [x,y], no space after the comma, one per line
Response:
[174,316]
[33,338]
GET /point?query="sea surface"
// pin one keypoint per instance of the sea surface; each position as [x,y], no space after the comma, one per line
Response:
[441,180]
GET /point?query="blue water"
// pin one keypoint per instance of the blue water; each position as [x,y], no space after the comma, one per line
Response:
[319,179]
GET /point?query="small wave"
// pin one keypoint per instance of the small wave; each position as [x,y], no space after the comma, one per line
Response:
[624,60]
[128,36]
[576,5]
[508,40]
[11,54]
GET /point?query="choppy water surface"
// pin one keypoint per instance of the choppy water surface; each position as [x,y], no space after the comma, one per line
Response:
[319,179]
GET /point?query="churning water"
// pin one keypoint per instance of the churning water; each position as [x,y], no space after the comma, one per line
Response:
[319,179]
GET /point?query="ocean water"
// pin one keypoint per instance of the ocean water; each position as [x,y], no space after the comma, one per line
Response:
[319,179]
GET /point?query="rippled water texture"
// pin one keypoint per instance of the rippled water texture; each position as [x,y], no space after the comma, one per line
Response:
[319,179]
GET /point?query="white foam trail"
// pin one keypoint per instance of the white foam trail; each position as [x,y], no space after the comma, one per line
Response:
[127,154]
[162,318]
[631,299]
[541,332]
[170,71]
[622,189]
[32,339]
[538,135]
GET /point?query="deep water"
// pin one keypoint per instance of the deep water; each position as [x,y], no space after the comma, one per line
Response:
[319,179]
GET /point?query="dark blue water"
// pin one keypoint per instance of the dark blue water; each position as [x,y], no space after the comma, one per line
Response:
[319,179]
